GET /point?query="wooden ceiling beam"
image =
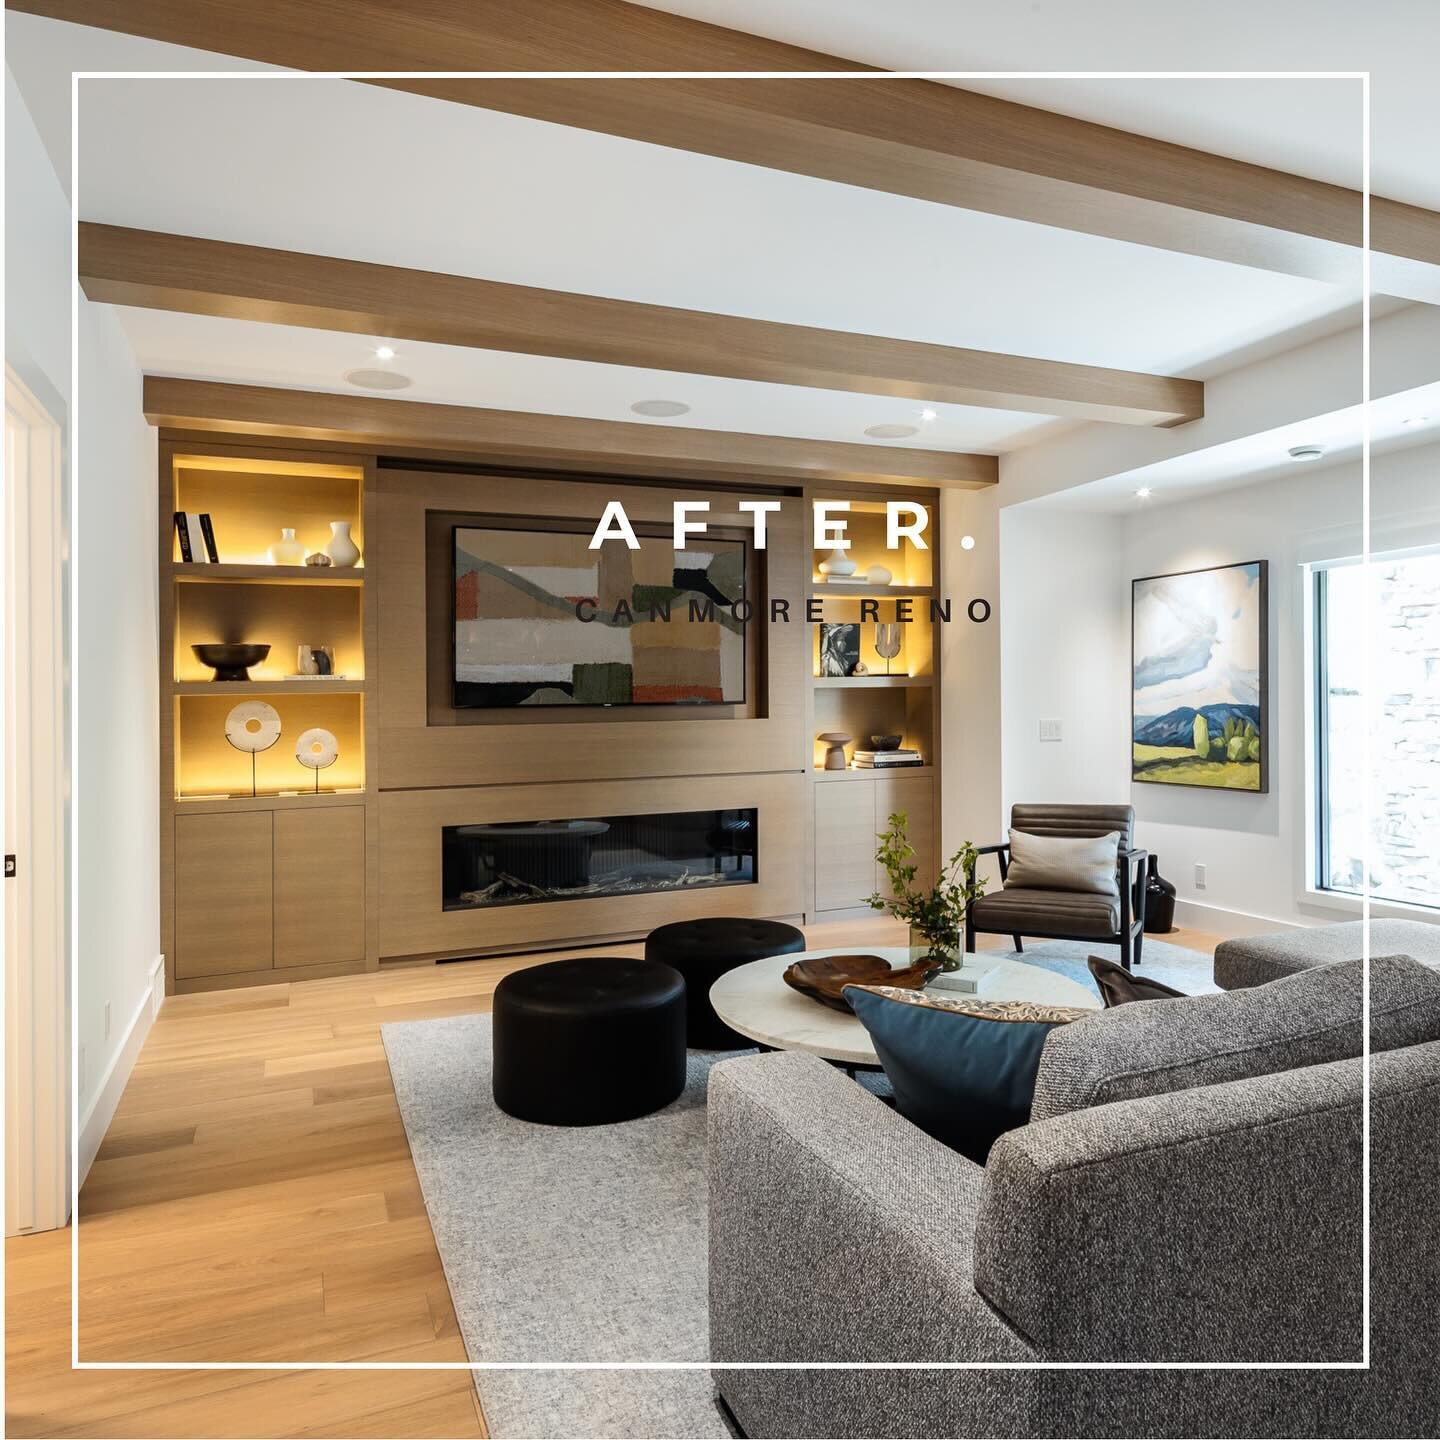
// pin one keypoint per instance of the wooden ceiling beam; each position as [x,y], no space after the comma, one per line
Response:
[909,137]
[531,441]
[244,282]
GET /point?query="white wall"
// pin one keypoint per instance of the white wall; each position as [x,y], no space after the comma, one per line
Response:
[1066,654]
[115,828]
[37,261]
[116,685]
[1066,597]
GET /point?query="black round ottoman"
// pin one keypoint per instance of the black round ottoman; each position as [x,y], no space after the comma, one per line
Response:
[702,951]
[589,1042]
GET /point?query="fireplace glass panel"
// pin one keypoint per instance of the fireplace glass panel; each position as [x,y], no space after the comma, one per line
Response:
[526,861]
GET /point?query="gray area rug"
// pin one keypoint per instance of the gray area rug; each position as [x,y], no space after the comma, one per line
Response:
[590,1244]
[1187,970]
[563,1244]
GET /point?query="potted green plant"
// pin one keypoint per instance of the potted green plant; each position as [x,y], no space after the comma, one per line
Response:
[936,916]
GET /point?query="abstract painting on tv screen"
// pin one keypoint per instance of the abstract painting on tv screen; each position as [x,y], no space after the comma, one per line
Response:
[1200,691]
[519,641]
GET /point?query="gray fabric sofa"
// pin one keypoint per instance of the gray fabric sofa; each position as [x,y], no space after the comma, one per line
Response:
[1217,1223]
[1261,958]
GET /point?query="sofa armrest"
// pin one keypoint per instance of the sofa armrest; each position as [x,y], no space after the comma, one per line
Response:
[1219,1223]
[838,1231]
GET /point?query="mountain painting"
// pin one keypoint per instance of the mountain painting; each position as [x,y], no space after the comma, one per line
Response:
[541,619]
[1200,688]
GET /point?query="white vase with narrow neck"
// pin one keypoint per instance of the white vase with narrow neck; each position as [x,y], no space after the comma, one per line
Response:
[837,564]
[342,550]
[287,550]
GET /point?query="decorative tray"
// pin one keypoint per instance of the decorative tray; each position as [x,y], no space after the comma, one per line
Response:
[824,977]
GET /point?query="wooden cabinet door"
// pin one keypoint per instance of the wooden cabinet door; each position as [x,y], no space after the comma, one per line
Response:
[844,843]
[915,795]
[319,886]
[224,894]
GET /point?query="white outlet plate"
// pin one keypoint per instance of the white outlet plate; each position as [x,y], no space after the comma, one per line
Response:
[1199,877]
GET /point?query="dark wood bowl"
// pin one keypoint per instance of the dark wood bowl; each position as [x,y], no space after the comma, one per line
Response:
[824,977]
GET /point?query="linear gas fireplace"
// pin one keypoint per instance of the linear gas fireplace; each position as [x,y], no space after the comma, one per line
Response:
[523,862]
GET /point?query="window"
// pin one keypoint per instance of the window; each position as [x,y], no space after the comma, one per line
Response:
[1404,780]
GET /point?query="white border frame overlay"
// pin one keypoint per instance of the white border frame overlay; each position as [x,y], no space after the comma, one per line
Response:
[879,77]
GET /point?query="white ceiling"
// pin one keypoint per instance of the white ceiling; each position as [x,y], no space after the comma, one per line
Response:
[200,347]
[1287,125]
[337,168]
[1400,421]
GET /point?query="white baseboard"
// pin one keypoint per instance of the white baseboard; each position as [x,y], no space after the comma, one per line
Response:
[101,1110]
[1232,924]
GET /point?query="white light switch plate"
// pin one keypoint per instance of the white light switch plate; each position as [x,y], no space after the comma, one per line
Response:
[1051,730]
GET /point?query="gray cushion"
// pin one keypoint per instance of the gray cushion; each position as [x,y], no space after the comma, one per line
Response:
[1306,1019]
[1042,912]
[1262,958]
[1062,862]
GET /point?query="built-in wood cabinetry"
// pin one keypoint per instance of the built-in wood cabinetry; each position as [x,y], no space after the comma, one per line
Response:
[849,814]
[265,866]
[264,890]
[895,696]
[295,882]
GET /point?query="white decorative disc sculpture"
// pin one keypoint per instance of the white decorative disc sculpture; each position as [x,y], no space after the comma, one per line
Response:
[252,726]
[317,749]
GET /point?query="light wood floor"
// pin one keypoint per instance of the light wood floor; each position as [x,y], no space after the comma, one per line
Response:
[255,1200]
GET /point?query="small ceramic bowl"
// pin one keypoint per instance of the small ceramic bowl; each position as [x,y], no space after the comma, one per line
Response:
[230,662]
[886,742]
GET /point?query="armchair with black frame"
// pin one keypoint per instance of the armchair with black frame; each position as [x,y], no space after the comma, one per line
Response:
[1068,914]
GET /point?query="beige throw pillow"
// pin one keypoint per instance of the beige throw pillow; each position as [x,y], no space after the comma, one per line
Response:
[1061,862]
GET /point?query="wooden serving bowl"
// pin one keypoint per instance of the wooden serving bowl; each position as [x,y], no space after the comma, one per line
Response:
[824,977]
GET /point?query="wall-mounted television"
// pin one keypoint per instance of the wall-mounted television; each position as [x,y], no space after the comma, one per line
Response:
[520,639]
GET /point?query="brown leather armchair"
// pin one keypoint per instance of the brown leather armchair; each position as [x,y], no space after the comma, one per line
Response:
[1068,914]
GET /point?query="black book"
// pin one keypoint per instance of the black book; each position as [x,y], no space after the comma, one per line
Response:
[208,530]
[183,532]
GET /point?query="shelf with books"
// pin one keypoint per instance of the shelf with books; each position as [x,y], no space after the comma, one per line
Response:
[196,572]
[819,774]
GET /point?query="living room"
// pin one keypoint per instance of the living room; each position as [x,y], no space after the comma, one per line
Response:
[488,531]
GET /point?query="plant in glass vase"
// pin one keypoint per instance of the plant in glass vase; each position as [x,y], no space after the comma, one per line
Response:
[936,916]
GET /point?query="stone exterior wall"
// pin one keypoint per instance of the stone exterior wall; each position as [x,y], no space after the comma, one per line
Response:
[1405,742]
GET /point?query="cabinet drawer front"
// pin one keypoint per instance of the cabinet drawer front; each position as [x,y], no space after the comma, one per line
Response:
[224,894]
[844,844]
[915,795]
[319,886]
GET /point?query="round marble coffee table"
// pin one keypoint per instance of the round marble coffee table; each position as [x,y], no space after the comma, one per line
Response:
[755,1000]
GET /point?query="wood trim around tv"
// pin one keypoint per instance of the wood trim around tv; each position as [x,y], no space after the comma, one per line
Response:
[519,745]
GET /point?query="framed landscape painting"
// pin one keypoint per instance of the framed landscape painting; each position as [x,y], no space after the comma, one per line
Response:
[1200,686]
[659,630]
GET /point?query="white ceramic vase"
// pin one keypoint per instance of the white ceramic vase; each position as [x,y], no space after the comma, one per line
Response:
[342,550]
[287,550]
[838,563]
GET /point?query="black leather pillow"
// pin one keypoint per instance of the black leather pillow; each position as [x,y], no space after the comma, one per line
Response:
[1119,986]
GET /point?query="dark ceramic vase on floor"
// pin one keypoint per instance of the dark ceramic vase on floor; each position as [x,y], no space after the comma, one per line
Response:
[1159,901]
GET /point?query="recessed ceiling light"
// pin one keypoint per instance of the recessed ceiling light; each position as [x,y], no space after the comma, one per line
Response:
[1144,493]
[1414,419]
[661,409]
[892,432]
[378,379]
[384,352]
[1306,452]
[927,415]
[967,542]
